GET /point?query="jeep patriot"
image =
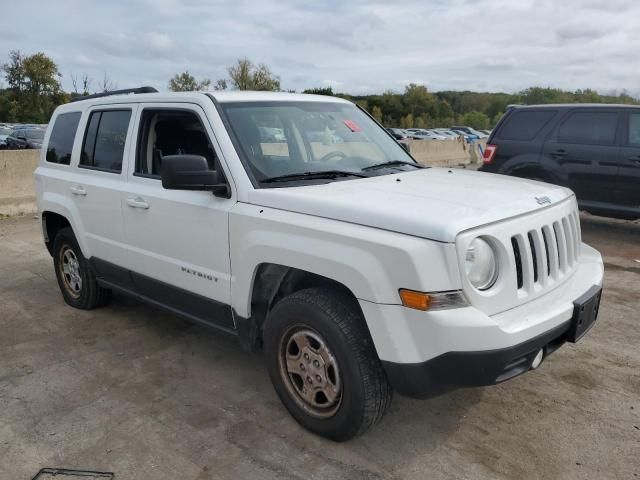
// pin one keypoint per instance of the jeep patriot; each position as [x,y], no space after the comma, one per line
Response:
[298,225]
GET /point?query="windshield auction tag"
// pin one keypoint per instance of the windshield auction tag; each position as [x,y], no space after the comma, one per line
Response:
[353,126]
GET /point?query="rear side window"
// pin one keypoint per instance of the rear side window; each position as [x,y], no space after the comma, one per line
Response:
[595,128]
[525,125]
[61,139]
[634,129]
[104,140]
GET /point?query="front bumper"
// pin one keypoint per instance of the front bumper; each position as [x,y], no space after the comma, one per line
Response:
[453,370]
[428,353]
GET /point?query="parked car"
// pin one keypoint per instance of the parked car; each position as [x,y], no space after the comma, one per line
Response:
[426,135]
[4,133]
[450,134]
[354,268]
[25,138]
[469,131]
[486,132]
[592,149]
[398,133]
[469,137]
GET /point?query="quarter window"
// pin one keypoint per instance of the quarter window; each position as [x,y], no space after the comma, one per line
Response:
[525,126]
[104,141]
[61,139]
[634,129]
[595,128]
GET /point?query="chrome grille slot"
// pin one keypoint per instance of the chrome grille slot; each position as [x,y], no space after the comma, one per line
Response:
[518,259]
[534,256]
[562,247]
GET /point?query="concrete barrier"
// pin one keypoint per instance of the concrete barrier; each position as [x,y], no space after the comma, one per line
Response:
[17,193]
[445,153]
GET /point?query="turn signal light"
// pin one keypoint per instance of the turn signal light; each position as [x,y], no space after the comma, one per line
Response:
[413,299]
[432,301]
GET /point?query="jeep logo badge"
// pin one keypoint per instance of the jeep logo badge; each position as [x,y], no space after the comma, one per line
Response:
[542,200]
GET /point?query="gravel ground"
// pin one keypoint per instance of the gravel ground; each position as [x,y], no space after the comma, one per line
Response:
[133,390]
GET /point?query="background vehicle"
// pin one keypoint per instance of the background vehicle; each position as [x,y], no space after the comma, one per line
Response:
[25,138]
[313,248]
[593,149]
[469,131]
[4,133]
[398,133]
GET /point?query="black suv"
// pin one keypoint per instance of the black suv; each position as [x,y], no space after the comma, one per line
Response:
[592,149]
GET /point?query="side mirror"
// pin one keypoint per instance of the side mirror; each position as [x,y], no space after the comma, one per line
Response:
[191,172]
[406,146]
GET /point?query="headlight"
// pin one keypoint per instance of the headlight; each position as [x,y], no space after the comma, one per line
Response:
[480,264]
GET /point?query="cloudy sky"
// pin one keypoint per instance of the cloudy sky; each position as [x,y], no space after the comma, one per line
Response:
[356,46]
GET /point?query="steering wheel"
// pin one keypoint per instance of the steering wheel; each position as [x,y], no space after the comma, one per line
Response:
[336,153]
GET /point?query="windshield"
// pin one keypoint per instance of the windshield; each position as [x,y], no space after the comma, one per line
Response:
[279,139]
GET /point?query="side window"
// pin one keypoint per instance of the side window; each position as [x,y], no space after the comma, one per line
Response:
[595,128]
[104,140]
[525,125]
[634,129]
[170,132]
[61,138]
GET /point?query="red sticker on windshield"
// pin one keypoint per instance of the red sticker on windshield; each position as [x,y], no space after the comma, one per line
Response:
[353,126]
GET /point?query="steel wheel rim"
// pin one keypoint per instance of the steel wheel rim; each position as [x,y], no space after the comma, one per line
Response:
[310,372]
[70,271]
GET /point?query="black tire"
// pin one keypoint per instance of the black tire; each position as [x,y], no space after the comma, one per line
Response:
[89,294]
[336,319]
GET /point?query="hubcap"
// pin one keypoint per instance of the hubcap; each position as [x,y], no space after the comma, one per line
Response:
[310,372]
[70,269]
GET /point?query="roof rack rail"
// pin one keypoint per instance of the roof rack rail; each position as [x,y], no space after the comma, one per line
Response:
[116,92]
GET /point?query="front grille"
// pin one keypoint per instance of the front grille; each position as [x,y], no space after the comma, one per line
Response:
[546,253]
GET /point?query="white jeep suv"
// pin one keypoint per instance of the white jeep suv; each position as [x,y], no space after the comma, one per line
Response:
[297,224]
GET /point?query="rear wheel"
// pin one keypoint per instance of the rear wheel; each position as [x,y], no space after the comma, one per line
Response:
[323,365]
[77,282]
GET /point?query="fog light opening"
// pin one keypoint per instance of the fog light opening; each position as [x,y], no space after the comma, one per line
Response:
[537,360]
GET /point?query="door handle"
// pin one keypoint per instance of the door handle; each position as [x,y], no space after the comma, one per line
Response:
[560,153]
[137,202]
[78,190]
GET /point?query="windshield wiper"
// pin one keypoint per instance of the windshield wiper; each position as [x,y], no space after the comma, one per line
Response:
[312,176]
[391,164]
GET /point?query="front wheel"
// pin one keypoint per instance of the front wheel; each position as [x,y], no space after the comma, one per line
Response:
[323,364]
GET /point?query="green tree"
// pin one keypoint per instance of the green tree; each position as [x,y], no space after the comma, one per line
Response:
[244,75]
[185,82]
[34,88]
[376,112]
[320,91]
[476,120]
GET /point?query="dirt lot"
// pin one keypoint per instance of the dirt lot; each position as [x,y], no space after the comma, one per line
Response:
[139,392]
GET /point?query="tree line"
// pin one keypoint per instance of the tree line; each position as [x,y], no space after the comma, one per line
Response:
[34,90]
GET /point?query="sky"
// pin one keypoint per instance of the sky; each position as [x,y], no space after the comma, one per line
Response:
[353,46]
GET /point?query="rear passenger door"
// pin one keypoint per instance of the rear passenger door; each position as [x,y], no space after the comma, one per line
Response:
[584,151]
[629,173]
[97,181]
[178,239]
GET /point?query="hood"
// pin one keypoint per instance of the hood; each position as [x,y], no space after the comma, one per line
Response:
[433,203]
[3,138]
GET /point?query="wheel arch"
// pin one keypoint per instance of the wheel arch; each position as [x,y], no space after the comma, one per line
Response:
[272,282]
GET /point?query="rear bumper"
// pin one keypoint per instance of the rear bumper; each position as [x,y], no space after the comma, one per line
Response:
[453,370]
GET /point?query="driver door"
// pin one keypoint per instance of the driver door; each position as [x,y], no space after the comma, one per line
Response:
[178,239]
